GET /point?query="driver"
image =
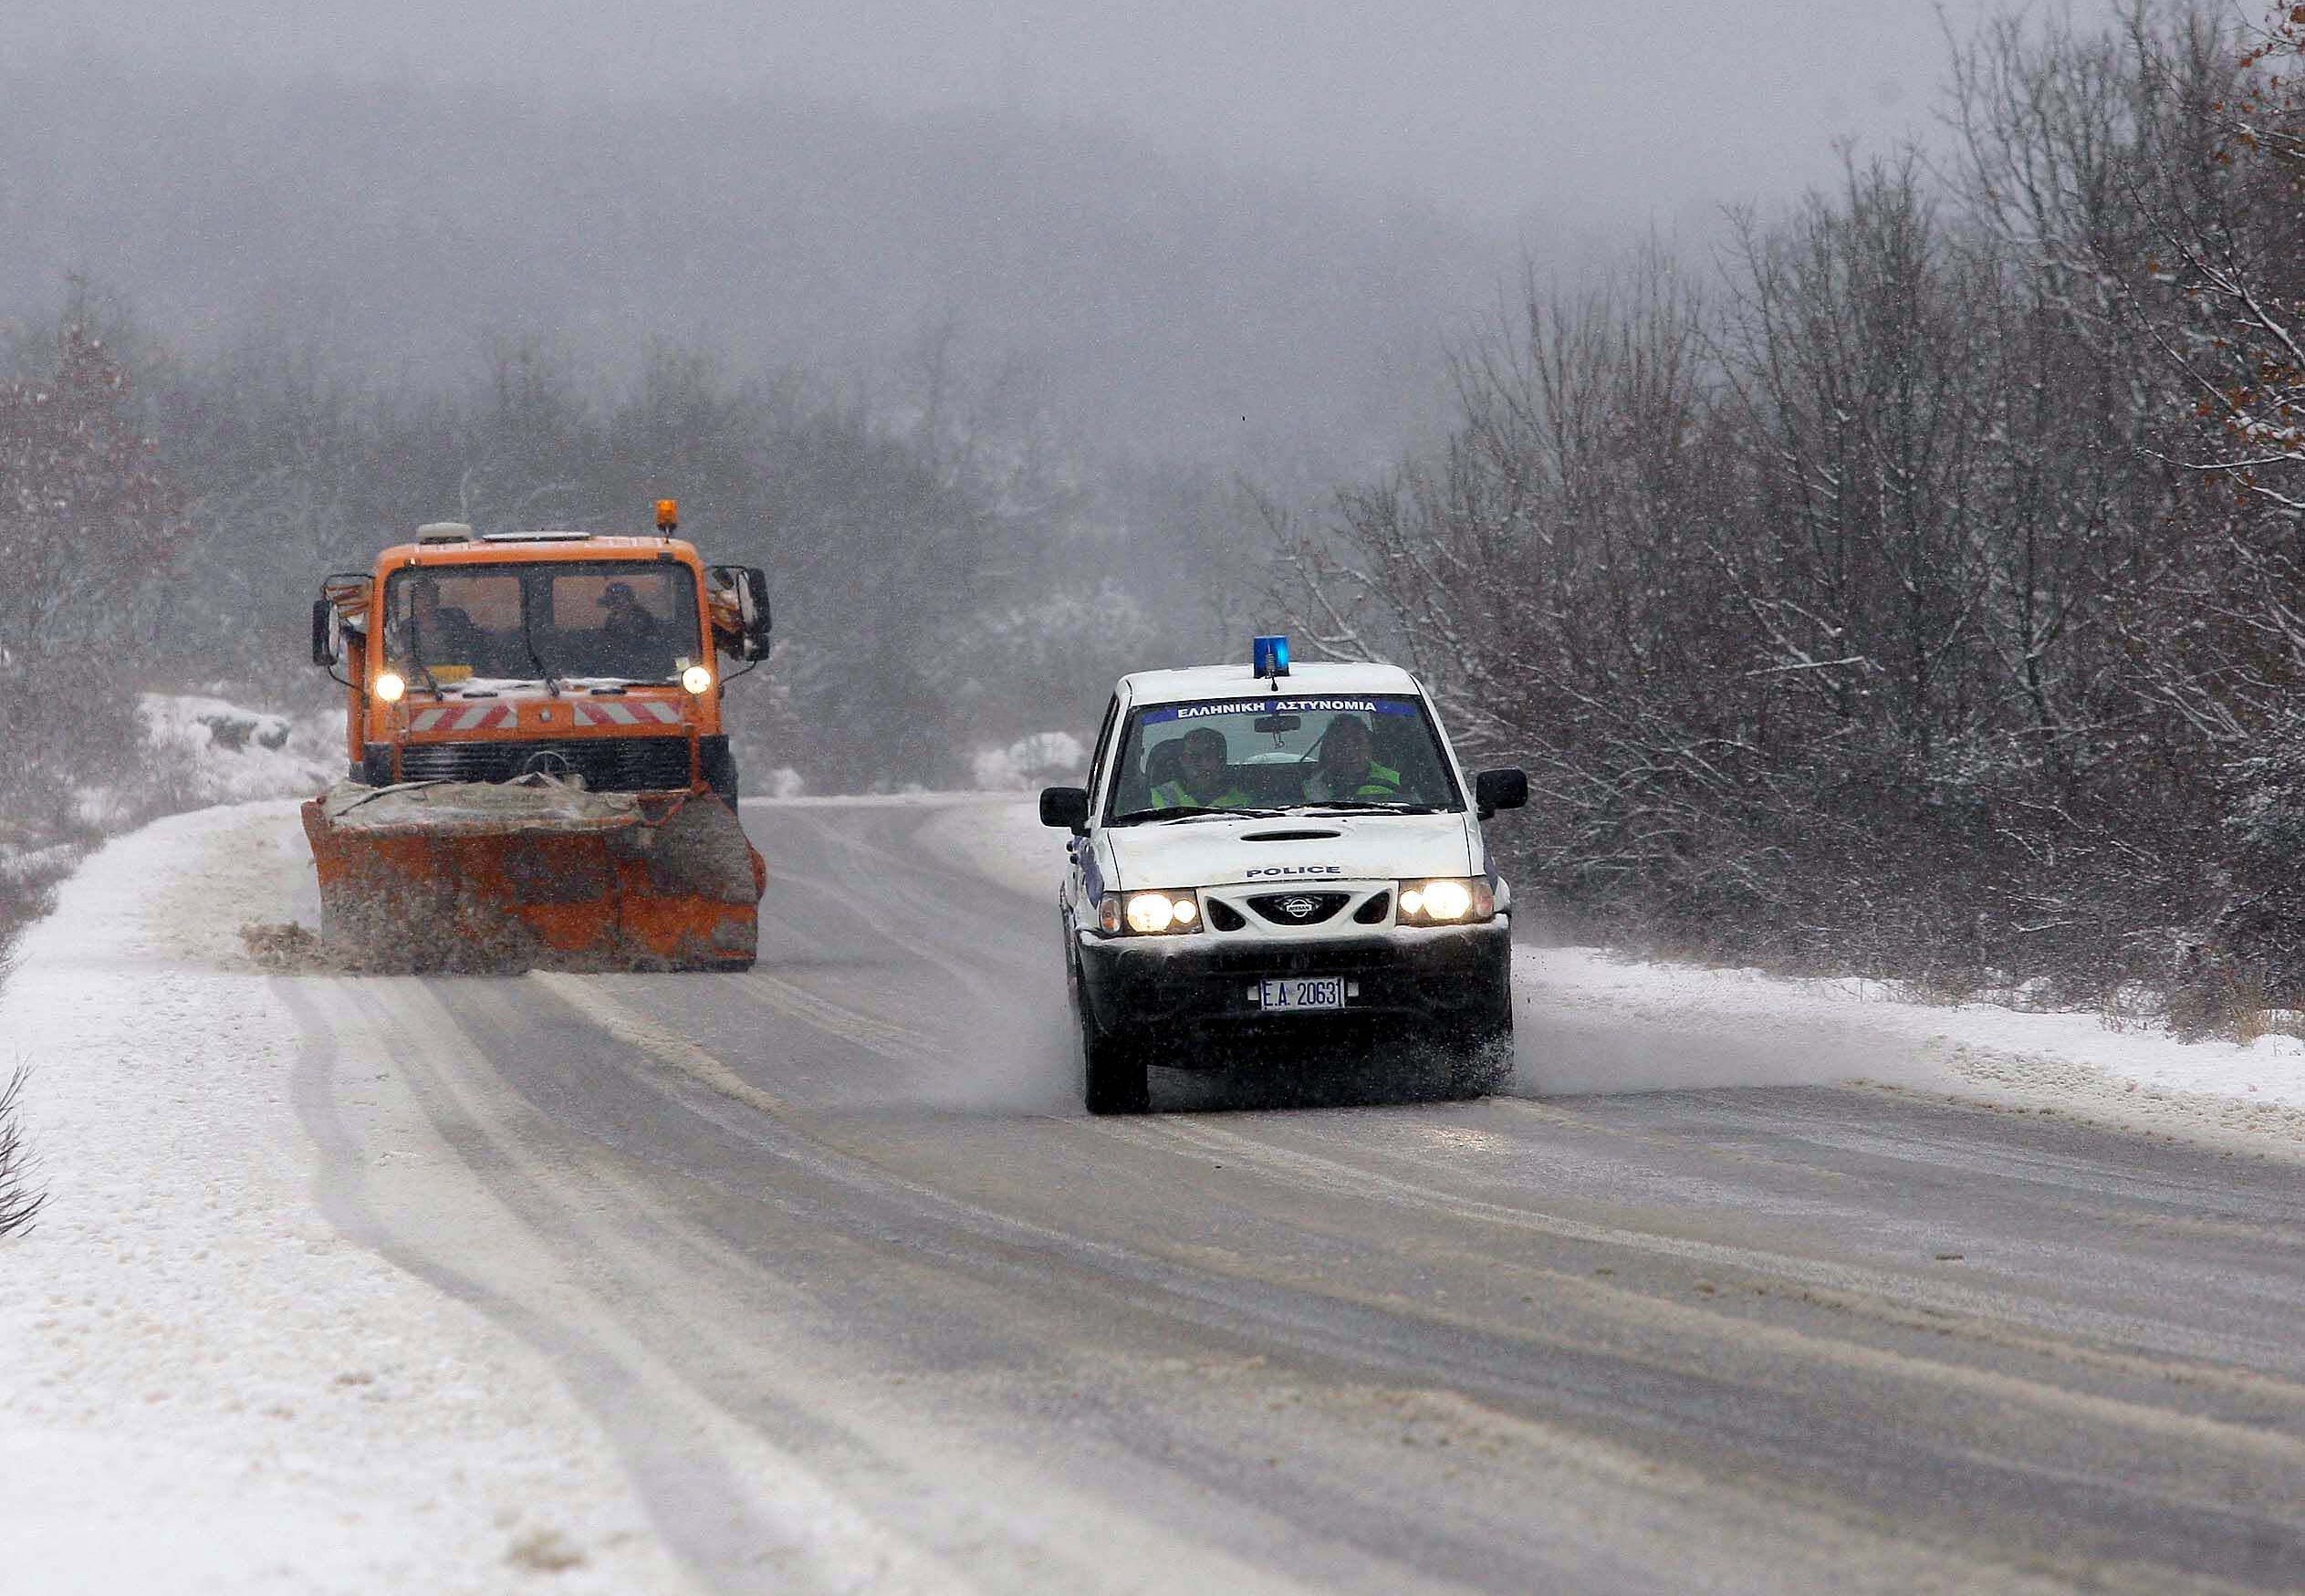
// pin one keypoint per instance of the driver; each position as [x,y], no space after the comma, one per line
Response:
[627,622]
[1349,769]
[1202,784]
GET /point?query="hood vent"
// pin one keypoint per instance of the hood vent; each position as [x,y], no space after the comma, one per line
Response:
[1289,836]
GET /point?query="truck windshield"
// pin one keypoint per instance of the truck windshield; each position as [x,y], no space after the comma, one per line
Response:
[597,621]
[1361,751]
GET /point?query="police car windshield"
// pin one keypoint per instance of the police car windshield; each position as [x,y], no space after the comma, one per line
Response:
[1275,753]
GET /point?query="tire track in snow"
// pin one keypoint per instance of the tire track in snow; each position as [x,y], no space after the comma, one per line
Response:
[724,1534]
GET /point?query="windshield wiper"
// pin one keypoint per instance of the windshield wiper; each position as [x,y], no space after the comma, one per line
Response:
[1371,804]
[1194,812]
[528,641]
[416,652]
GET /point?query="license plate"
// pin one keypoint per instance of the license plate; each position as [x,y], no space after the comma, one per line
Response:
[1294,994]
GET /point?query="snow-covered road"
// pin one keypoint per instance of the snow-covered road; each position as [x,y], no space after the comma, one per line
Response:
[206,1385]
[816,1278]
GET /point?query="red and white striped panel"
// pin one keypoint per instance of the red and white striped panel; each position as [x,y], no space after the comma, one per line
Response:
[461,717]
[640,712]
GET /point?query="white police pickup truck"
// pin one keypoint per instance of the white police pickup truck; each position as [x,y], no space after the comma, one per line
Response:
[1266,850]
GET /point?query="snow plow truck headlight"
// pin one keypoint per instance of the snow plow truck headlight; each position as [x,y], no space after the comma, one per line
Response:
[1448,901]
[697,680]
[388,687]
[1149,913]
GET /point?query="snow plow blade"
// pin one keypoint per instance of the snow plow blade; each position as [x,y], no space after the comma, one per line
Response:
[532,874]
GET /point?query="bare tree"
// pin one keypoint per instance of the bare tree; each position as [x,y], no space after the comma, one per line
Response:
[20,1201]
[1849,349]
[1545,574]
[88,518]
[1917,602]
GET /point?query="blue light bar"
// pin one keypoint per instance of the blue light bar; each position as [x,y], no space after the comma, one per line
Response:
[1271,655]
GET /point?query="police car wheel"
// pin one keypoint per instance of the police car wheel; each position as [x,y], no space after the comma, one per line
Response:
[1113,1079]
[1116,1082]
[1483,1062]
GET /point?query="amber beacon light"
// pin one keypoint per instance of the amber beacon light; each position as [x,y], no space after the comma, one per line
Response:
[668,516]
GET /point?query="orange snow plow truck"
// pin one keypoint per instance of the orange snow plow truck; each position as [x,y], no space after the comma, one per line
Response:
[539,775]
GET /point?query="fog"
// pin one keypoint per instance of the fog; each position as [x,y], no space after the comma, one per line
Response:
[1203,229]
[1504,107]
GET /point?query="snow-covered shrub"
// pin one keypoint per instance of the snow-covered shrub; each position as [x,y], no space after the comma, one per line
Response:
[1039,760]
[221,752]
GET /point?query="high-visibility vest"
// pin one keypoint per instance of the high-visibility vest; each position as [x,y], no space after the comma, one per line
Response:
[1171,795]
[1381,782]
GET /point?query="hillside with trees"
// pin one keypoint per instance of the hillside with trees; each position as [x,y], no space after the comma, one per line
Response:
[1919,592]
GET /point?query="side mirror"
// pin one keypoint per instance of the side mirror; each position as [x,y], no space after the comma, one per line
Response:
[749,586]
[752,597]
[328,646]
[1499,790]
[1067,807]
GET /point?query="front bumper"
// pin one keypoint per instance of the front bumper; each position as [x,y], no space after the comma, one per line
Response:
[1459,974]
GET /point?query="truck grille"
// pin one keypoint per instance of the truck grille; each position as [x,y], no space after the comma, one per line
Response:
[605,764]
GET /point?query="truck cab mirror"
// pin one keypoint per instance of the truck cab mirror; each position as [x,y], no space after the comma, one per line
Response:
[328,644]
[1499,790]
[754,598]
[1067,807]
[750,586]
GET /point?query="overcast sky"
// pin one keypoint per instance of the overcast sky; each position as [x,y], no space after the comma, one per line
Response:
[1590,109]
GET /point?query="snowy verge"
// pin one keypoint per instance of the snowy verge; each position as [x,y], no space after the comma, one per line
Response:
[206,750]
[207,1387]
[1588,1021]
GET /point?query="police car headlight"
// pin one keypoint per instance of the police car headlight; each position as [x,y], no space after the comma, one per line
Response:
[1445,901]
[1149,913]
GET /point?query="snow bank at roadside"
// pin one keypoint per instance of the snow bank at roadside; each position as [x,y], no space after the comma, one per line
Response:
[235,754]
[201,749]
[207,1387]
[1588,1021]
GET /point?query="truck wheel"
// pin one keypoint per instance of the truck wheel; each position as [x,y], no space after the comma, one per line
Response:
[1113,1079]
[720,768]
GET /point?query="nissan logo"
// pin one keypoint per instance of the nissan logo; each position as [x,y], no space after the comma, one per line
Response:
[1298,908]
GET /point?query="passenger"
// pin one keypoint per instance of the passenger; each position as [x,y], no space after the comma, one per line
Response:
[1347,770]
[440,633]
[1201,784]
